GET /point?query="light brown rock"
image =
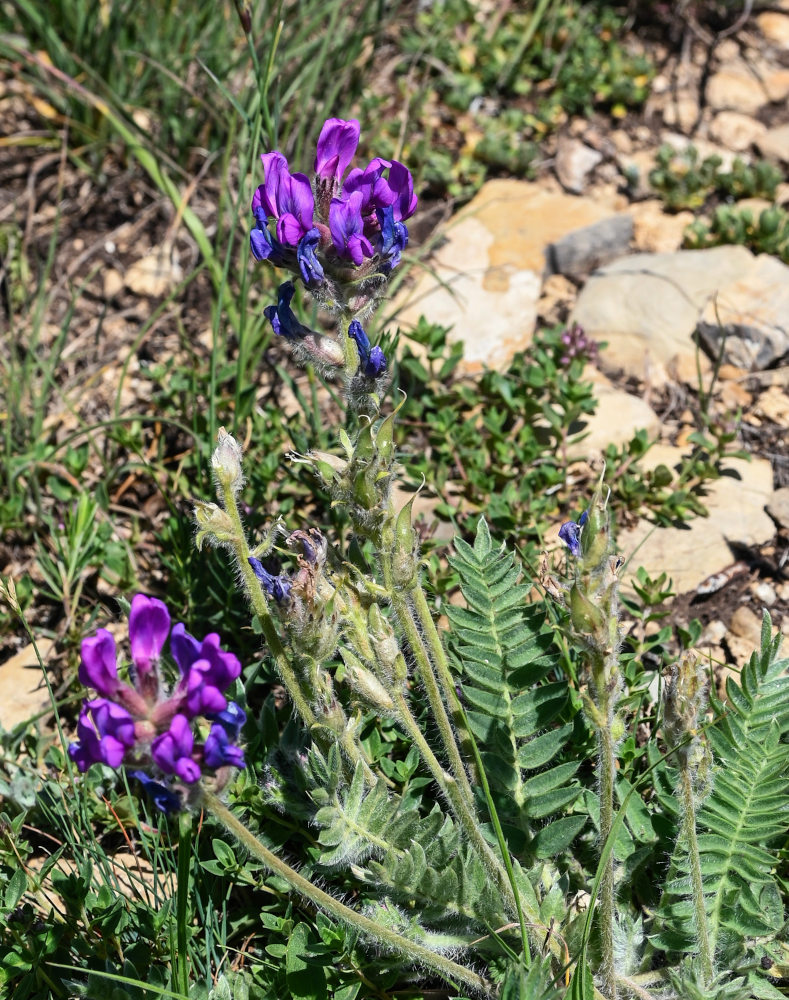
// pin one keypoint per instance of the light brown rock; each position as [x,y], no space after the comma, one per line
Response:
[774,144]
[773,404]
[774,27]
[619,415]
[689,555]
[22,691]
[735,130]
[776,84]
[746,624]
[154,275]
[485,280]
[647,306]
[735,89]
[778,509]
[113,283]
[654,230]
[574,162]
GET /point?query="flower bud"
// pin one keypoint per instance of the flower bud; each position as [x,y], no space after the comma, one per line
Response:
[365,683]
[585,616]
[213,525]
[226,462]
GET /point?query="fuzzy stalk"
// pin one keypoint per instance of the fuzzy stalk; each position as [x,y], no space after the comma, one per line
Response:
[607,775]
[696,882]
[425,622]
[467,819]
[383,937]
[260,607]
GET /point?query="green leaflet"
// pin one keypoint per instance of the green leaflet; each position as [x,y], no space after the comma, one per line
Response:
[501,648]
[743,819]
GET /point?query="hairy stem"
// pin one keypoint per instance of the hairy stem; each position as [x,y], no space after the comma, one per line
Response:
[696,882]
[260,607]
[607,903]
[382,936]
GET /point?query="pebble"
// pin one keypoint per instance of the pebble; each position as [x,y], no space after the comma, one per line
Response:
[764,592]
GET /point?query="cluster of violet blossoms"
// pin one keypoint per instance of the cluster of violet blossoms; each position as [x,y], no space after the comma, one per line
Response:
[146,726]
[342,235]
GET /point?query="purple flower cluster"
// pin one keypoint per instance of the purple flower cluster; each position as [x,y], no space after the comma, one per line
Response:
[143,724]
[334,226]
[575,344]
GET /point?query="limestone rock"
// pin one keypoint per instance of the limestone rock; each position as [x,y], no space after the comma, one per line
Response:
[775,28]
[751,314]
[485,280]
[778,507]
[583,250]
[154,275]
[735,130]
[774,144]
[22,691]
[619,415]
[654,230]
[690,554]
[647,306]
[574,163]
[735,89]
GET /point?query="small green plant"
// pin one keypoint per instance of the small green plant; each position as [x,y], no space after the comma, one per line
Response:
[729,225]
[685,181]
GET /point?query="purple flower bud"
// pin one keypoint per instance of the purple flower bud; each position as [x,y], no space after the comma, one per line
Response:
[336,147]
[277,587]
[98,668]
[232,719]
[263,244]
[219,751]
[149,625]
[172,751]
[282,318]
[393,238]
[372,361]
[347,228]
[570,534]
[105,731]
[309,265]
[164,798]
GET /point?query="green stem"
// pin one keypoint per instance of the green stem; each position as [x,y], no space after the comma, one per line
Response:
[607,902]
[182,901]
[459,806]
[444,675]
[260,607]
[385,938]
[696,881]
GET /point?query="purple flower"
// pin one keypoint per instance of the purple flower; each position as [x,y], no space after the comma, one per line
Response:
[149,625]
[98,668]
[376,193]
[277,587]
[281,316]
[310,267]
[393,238]
[105,731]
[219,751]
[286,197]
[347,228]
[164,798]
[336,147]
[221,668]
[147,720]
[401,187]
[372,361]
[172,751]
[570,534]
[232,719]
[263,244]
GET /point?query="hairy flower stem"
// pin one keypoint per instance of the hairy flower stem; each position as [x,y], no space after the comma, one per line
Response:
[607,903]
[696,882]
[387,939]
[260,606]
[464,815]
[428,628]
